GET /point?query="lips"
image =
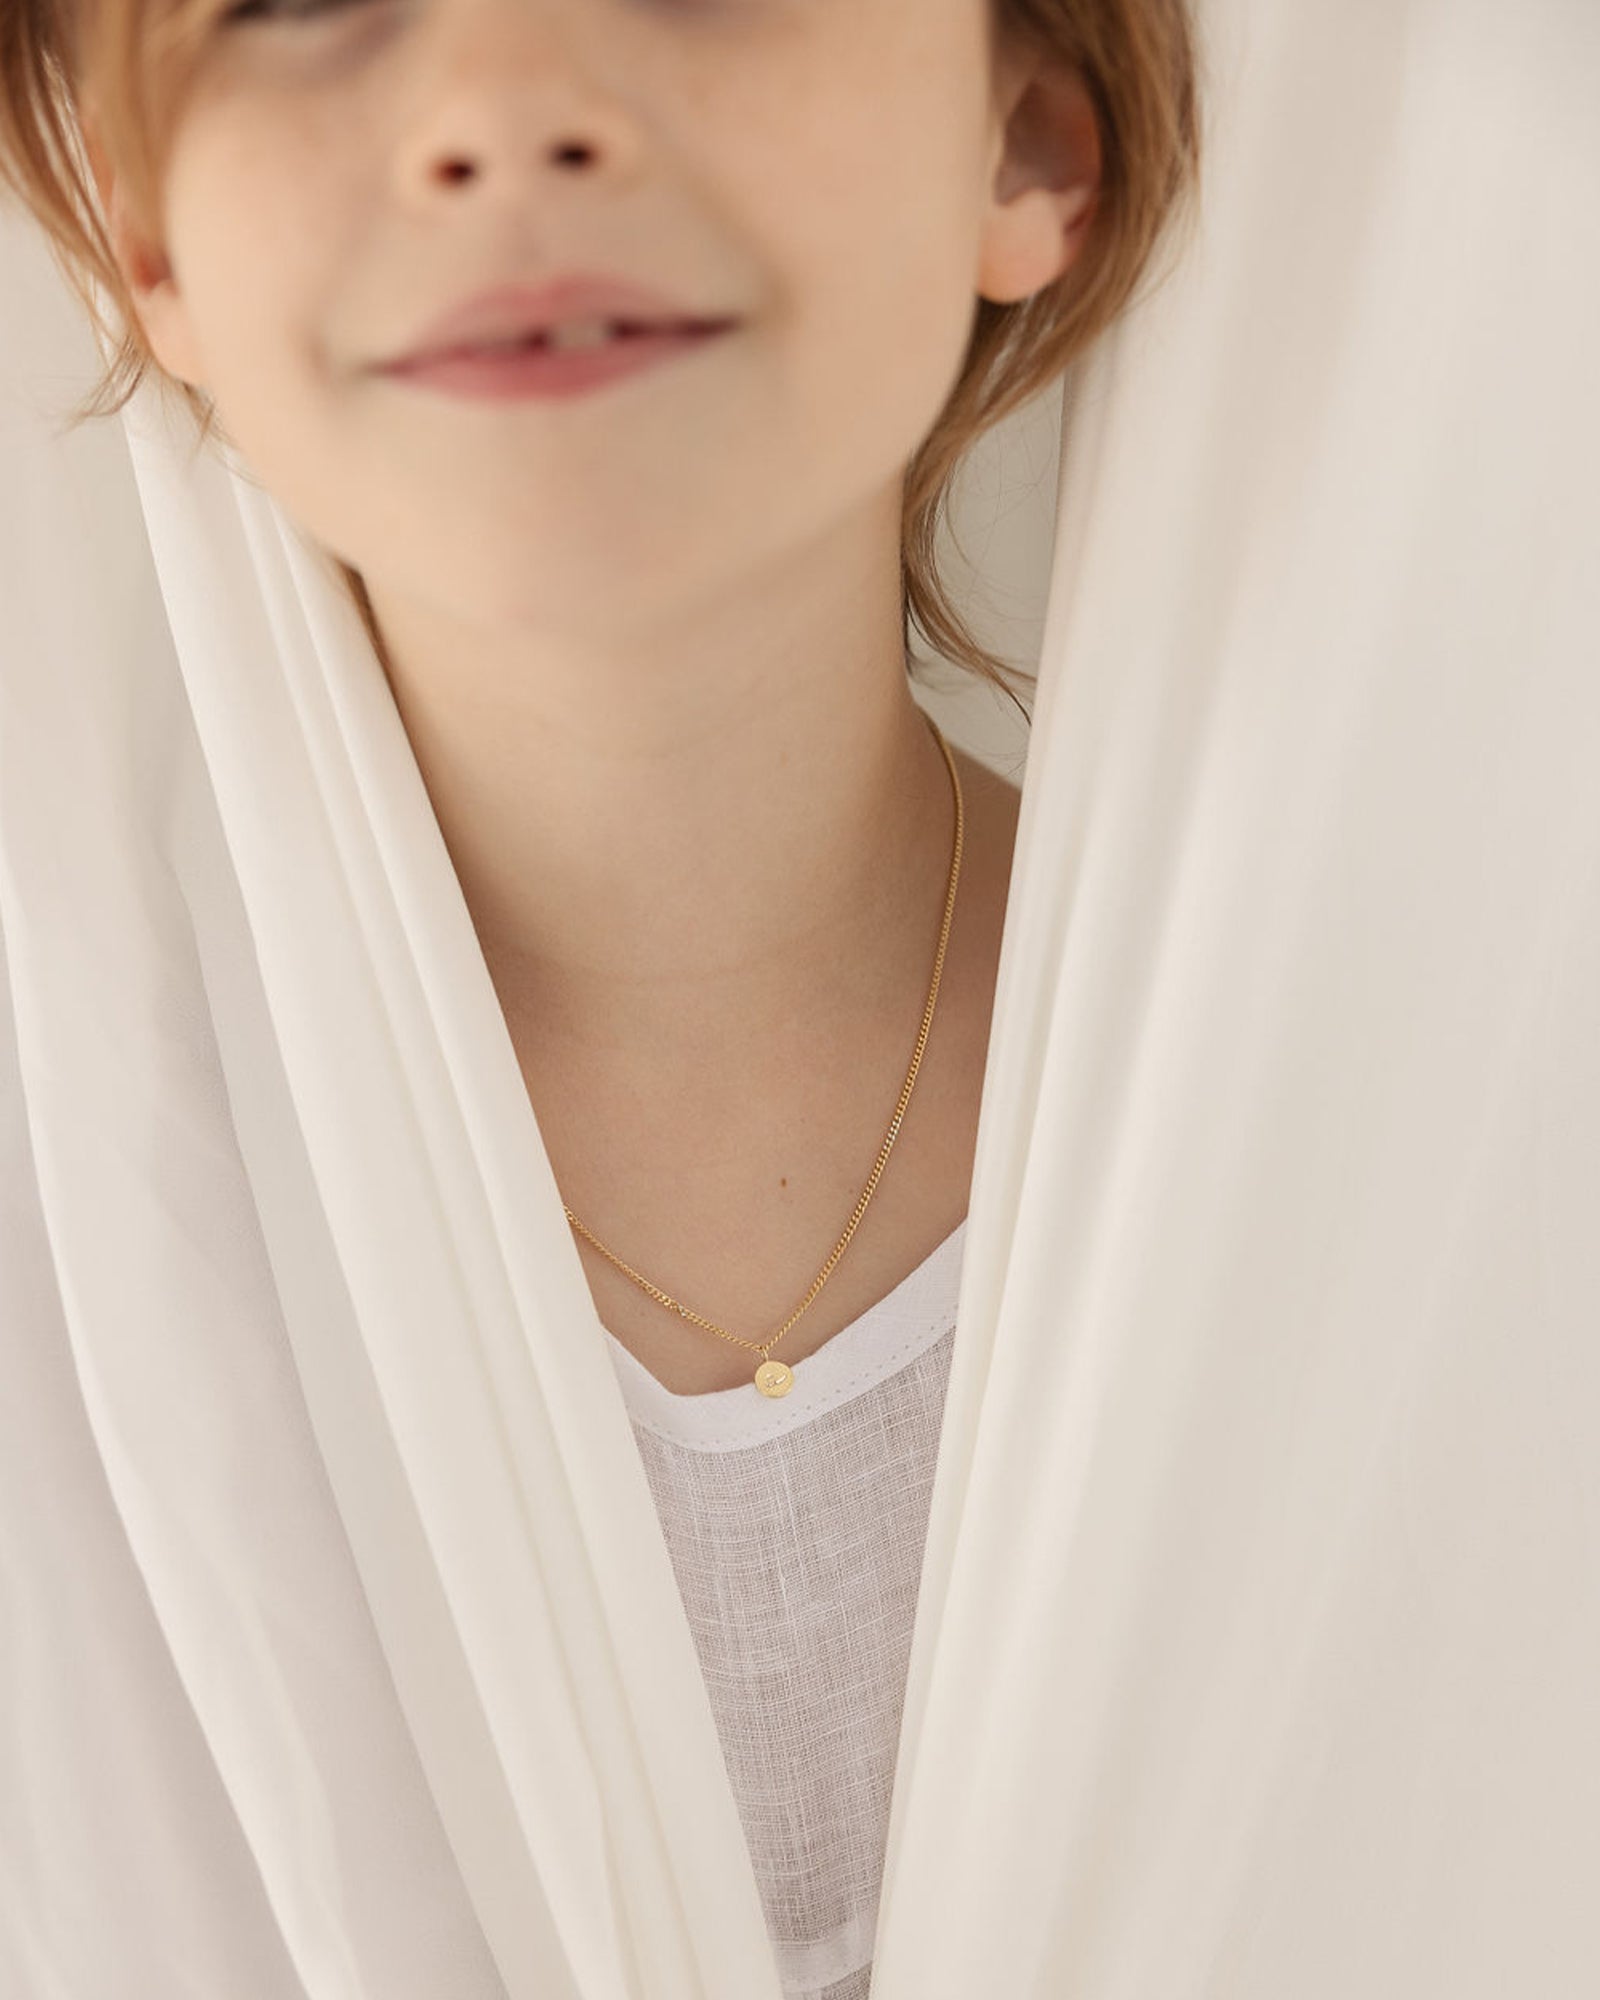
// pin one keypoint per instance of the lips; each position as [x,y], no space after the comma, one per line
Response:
[552,337]
[519,312]
[540,372]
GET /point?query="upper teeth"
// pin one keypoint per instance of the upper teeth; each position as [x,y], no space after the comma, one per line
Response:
[572,333]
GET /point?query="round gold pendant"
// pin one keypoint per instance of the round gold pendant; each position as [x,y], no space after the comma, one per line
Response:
[774,1379]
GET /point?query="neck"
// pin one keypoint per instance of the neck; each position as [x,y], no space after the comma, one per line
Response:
[691,889]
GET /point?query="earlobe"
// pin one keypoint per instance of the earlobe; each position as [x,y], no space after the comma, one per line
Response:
[153,289]
[164,322]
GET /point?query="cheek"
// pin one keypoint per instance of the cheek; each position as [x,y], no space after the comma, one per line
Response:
[258,247]
[864,371]
[880,254]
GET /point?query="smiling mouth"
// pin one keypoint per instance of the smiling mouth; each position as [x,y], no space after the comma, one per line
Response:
[572,337]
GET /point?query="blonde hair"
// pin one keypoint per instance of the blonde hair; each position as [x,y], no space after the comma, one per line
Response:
[1139,60]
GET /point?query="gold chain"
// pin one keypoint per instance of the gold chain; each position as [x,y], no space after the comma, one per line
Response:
[773,1378]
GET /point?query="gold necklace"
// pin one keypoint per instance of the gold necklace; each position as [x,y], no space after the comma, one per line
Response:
[774,1378]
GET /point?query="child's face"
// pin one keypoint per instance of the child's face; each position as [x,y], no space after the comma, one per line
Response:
[825,170]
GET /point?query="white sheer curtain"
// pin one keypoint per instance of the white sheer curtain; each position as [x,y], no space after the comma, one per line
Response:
[1260,1618]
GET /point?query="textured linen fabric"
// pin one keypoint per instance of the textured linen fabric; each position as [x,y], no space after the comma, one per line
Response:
[796,1527]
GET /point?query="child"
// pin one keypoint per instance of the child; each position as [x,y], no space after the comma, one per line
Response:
[642,590]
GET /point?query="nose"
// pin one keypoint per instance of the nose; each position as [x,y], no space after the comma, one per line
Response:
[500,90]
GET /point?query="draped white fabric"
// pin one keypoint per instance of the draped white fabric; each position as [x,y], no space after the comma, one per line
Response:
[1259,1627]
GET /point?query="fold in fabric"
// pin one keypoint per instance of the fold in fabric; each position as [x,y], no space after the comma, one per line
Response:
[1259,1622]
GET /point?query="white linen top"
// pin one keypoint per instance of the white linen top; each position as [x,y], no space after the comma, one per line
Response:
[796,1527]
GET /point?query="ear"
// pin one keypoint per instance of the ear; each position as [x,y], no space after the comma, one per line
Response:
[1045,168]
[152,284]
